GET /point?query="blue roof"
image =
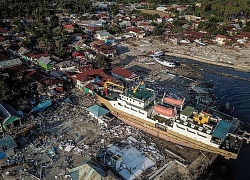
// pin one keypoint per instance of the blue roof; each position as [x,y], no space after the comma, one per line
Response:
[222,129]
[6,109]
[42,106]
[8,142]
[97,110]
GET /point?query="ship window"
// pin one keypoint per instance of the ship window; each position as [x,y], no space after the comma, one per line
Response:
[190,131]
[119,104]
[141,112]
[201,135]
[133,109]
[180,127]
[126,107]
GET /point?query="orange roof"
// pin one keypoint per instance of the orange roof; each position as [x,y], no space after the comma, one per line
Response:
[164,111]
[172,101]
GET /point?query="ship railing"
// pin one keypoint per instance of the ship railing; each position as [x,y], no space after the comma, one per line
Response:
[245,136]
[193,126]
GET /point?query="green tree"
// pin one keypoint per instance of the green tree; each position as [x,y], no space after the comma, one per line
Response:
[159,29]
[102,62]
[54,21]
[5,93]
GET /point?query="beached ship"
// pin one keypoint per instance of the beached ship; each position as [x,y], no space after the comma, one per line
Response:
[168,118]
[164,62]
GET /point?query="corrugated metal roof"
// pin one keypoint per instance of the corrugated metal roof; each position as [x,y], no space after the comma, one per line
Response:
[44,60]
[222,129]
[84,172]
[7,142]
[9,63]
[97,110]
[122,72]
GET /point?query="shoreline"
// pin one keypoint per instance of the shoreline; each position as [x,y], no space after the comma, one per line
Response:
[237,67]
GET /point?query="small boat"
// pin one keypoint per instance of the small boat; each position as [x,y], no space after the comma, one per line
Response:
[164,62]
[157,54]
[199,42]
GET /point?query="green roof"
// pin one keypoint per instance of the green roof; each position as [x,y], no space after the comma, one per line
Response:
[142,94]
[97,110]
[188,111]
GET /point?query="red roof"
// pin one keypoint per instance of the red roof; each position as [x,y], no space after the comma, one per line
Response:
[172,101]
[51,82]
[92,28]
[89,86]
[122,72]
[59,89]
[2,30]
[85,68]
[194,34]
[245,34]
[83,75]
[68,26]
[2,39]
[37,55]
[75,54]
[164,110]
[166,17]
[143,3]
[144,24]
[134,29]
[106,77]
[36,76]
[221,36]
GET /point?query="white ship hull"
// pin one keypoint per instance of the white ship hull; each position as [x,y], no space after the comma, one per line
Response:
[178,133]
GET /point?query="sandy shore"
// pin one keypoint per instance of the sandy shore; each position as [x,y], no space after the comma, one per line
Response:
[231,57]
[239,67]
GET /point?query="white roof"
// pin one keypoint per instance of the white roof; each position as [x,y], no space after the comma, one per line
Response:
[44,60]
[133,162]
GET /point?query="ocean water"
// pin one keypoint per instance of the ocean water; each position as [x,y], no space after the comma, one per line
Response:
[235,91]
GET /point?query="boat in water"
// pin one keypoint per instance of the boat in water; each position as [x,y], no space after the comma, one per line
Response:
[170,119]
[164,62]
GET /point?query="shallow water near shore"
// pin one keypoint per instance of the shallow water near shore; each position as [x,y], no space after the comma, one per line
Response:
[233,88]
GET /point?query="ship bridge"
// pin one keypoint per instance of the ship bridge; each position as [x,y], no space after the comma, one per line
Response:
[141,98]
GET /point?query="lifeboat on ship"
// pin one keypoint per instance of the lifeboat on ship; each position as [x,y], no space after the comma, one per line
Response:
[168,112]
[172,101]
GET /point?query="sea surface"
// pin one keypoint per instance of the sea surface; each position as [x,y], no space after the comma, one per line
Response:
[233,87]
